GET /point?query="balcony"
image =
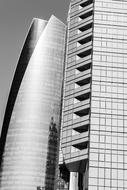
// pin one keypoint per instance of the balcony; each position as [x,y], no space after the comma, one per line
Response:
[84,59]
[82,90]
[82,21]
[84,79]
[81,32]
[81,127]
[84,45]
[81,119]
[84,66]
[81,103]
[82,9]
[80,75]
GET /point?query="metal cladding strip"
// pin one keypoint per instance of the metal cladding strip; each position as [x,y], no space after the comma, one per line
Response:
[37,105]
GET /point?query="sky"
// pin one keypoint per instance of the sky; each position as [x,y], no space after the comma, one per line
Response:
[15,19]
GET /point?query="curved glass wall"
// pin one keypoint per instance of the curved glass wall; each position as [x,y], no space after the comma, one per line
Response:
[35,118]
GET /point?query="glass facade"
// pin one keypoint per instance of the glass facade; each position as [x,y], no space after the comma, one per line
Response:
[94,117]
[29,142]
[108,134]
[93,141]
[77,94]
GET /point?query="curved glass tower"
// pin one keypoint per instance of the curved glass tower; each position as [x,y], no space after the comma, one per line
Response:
[30,129]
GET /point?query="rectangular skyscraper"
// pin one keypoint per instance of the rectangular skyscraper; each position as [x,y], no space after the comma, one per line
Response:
[94,117]
[93,142]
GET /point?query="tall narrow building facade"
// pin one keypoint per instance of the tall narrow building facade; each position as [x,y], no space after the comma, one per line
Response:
[94,117]
[32,118]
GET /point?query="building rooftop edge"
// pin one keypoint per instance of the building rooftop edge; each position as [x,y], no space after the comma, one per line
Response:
[35,18]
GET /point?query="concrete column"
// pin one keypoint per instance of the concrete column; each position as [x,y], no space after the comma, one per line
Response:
[73,181]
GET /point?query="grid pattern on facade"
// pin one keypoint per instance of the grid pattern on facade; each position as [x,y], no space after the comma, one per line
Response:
[76,104]
[108,135]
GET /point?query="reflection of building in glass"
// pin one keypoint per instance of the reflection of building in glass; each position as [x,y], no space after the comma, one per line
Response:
[52,156]
[40,188]
[35,98]
[93,142]
[63,178]
[94,118]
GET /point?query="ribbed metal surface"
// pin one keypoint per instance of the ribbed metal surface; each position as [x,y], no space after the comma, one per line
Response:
[38,102]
